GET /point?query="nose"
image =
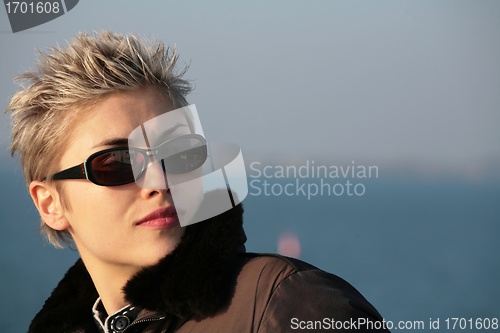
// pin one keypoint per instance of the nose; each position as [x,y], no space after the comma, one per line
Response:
[154,177]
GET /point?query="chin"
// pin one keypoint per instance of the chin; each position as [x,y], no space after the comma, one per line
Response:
[160,253]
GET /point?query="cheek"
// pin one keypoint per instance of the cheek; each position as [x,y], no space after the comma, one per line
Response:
[91,205]
[187,193]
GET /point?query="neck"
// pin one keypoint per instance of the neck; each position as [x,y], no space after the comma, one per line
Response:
[109,281]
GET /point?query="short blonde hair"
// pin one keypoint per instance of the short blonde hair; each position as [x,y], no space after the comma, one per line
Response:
[69,79]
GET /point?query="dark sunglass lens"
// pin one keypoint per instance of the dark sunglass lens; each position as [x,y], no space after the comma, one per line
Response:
[115,167]
[191,153]
[187,161]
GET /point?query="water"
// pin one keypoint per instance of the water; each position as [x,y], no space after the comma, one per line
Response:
[416,249]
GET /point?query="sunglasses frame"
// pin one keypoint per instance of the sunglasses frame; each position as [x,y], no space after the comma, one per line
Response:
[85,170]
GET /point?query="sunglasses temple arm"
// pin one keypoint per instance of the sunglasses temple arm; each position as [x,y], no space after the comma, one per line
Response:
[76,172]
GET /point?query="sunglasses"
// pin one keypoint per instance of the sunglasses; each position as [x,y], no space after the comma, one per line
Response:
[115,166]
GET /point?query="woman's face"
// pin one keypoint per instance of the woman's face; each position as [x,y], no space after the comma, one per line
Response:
[110,224]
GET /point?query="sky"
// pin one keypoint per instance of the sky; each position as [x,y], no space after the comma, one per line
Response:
[412,85]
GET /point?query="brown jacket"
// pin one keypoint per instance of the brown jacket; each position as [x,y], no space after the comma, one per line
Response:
[209,284]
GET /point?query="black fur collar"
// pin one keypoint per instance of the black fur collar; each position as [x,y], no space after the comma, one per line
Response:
[192,281]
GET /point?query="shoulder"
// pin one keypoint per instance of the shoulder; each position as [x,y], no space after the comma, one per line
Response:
[276,259]
[292,292]
[272,265]
[282,269]
[266,272]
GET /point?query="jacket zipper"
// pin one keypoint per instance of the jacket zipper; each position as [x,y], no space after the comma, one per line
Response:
[145,320]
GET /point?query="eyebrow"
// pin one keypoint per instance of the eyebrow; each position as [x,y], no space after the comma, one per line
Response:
[124,141]
[171,130]
[113,142]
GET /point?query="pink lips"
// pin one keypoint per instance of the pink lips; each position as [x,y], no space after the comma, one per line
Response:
[161,218]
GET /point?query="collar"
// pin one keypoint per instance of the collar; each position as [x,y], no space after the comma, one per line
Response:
[116,322]
[190,282]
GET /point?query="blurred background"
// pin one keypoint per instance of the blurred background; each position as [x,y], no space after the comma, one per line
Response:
[411,88]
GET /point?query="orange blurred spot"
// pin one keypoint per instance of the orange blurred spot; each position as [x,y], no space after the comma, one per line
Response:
[289,245]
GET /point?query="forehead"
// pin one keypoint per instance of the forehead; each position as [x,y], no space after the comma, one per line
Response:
[117,115]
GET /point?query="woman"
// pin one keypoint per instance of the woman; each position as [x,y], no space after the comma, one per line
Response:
[140,270]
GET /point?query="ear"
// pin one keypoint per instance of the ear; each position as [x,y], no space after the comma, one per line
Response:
[48,203]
